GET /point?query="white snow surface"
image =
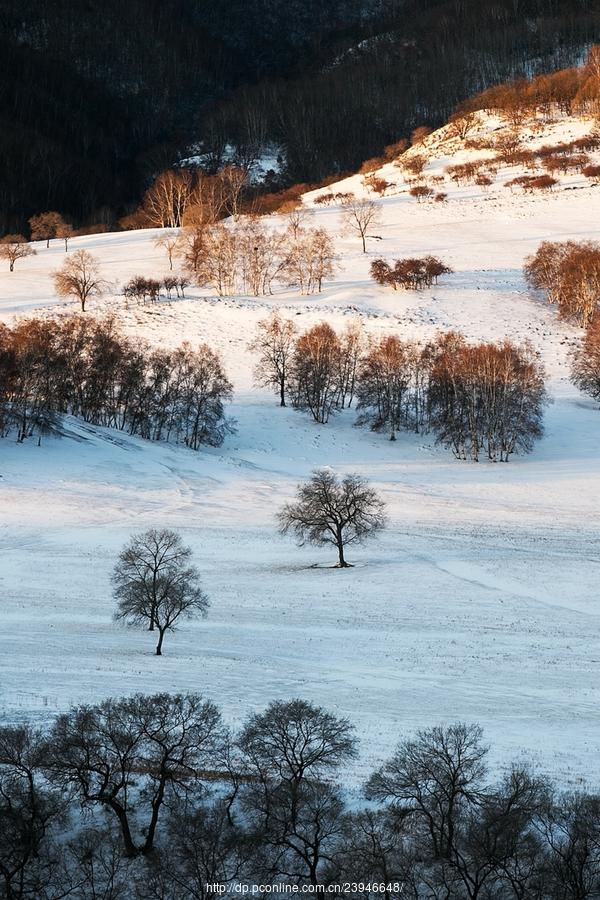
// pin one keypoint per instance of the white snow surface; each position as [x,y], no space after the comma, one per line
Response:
[479,602]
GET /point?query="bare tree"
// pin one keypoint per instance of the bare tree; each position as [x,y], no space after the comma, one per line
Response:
[310,258]
[28,813]
[260,255]
[170,283]
[234,180]
[294,739]
[352,343]
[64,231]
[289,754]
[384,379]
[168,198]
[274,341]
[202,848]
[170,243]
[79,277]
[44,226]
[297,219]
[155,583]
[330,511]
[159,743]
[461,124]
[218,261]
[432,777]
[14,247]
[314,372]
[358,215]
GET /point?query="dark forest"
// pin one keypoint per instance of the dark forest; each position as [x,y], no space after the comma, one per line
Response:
[95,99]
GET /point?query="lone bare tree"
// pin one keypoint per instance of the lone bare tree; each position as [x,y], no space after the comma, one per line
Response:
[170,242]
[330,511]
[155,583]
[274,341]
[79,277]
[14,247]
[64,231]
[358,215]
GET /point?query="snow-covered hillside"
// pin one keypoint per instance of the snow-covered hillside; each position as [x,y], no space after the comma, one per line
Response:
[479,603]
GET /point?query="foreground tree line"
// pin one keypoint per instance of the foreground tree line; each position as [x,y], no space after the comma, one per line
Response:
[90,369]
[153,797]
[478,399]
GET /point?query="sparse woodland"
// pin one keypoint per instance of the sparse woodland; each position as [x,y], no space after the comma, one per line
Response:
[249,258]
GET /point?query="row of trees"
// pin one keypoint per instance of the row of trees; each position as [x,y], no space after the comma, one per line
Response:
[485,398]
[152,797]
[88,368]
[568,272]
[45,226]
[144,289]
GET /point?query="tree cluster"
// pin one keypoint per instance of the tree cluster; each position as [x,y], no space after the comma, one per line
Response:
[568,272]
[249,257]
[410,273]
[322,370]
[88,368]
[486,398]
[187,196]
[151,797]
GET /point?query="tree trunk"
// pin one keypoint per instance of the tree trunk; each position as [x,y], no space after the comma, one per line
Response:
[156,805]
[364,243]
[130,848]
[161,635]
[282,392]
[340,545]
